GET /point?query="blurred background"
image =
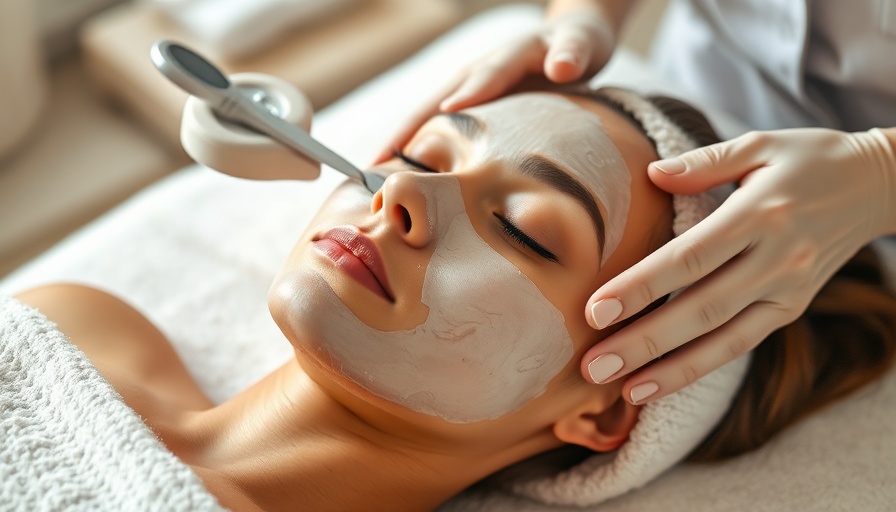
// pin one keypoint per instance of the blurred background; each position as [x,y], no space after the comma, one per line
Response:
[86,121]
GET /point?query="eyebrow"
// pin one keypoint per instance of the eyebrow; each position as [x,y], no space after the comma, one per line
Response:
[542,170]
[469,126]
[547,172]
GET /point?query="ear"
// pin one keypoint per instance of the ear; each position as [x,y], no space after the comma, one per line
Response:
[597,426]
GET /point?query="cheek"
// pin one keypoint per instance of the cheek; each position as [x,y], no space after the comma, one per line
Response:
[567,285]
[496,339]
[348,198]
[568,296]
[490,343]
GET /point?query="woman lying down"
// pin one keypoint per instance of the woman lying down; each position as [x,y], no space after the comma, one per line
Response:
[437,326]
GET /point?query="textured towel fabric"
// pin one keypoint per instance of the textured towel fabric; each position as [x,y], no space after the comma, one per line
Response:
[199,238]
[668,428]
[67,440]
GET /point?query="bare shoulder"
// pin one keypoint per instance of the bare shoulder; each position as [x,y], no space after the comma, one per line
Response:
[127,349]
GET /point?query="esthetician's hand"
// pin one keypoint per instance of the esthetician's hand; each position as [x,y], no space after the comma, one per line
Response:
[573,43]
[808,200]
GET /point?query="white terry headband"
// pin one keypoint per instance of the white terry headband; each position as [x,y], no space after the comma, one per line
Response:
[669,428]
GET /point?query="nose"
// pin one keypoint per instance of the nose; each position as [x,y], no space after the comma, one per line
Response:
[403,203]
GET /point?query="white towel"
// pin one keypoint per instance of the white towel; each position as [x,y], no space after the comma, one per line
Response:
[67,440]
[198,238]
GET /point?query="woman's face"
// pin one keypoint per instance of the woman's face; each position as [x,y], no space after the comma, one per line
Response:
[457,291]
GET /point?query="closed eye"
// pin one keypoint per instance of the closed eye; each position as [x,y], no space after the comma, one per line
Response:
[419,166]
[525,240]
[515,233]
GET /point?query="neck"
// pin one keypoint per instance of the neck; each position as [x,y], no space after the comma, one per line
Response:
[286,441]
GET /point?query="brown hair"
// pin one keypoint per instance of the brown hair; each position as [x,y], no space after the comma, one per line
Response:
[844,340]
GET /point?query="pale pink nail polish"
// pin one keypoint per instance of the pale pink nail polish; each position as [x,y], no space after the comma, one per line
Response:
[643,391]
[605,311]
[568,57]
[604,367]
[671,166]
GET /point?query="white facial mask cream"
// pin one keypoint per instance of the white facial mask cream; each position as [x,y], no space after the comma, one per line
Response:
[569,136]
[491,341]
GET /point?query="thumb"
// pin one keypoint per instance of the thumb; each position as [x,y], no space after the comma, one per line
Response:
[567,57]
[703,168]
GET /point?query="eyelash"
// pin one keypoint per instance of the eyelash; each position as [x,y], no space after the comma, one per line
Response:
[411,162]
[508,227]
[525,240]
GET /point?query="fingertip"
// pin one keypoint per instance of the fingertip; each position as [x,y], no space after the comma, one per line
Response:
[564,57]
[564,69]
[453,103]
[446,103]
[585,365]
[664,177]
[473,90]
[642,393]
[671,166]
[466,96]
[589,318]
[567,57]
[706,167]
[604,368]
[605,312]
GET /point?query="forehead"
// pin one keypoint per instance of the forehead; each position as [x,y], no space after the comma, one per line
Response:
[536,122]
[572,137]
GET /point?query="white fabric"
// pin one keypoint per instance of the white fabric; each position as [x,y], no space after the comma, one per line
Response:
[199,239]
[67,439]
[784,63]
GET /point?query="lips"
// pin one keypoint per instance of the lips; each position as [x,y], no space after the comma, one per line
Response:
[356,255]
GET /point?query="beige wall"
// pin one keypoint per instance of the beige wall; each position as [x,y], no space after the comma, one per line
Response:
[86,155]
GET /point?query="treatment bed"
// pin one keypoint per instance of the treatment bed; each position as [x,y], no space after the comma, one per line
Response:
[197,251]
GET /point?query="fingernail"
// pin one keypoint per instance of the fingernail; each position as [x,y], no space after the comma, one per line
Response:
[450,100]
[643,391]
[604,311]
[565,57]
[604,367]
[672,166]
